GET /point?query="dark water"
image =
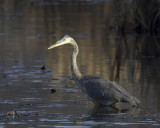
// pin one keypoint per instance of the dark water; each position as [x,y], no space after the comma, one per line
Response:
[28,28]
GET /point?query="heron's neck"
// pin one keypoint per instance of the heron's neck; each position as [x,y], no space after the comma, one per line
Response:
[74,68]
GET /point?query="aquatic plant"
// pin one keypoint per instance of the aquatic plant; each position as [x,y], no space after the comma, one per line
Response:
[140,16]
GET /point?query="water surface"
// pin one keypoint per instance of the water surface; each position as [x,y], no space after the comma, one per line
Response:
[28,28]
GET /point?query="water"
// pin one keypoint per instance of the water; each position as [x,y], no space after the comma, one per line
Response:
[50,98]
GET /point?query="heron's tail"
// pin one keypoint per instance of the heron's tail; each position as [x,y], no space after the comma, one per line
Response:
[137,101]
[132,100]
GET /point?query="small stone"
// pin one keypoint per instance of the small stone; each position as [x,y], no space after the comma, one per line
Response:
[16,61]
[4,76]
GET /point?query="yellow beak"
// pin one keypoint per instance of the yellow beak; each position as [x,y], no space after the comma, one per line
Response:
[58,43]
[52,46]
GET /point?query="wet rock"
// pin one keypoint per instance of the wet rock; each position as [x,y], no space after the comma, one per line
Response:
[12,113]
[53,90]
[43,68]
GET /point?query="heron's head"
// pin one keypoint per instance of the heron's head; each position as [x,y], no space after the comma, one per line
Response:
[65,40]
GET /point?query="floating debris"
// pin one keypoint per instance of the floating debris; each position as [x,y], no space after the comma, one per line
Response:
[4,75]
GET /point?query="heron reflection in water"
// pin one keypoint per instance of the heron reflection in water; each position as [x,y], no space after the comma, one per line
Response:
[100,91]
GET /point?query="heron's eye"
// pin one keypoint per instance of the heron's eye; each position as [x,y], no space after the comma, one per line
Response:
[63,39]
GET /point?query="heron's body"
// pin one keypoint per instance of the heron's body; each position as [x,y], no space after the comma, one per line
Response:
[104,92]
[98,90]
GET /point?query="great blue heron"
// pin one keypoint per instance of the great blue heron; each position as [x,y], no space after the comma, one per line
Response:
[100,91]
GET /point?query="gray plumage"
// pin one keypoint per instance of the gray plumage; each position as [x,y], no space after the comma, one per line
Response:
[104,92]
[98,90]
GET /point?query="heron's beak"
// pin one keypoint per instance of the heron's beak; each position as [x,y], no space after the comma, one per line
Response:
[54,45]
